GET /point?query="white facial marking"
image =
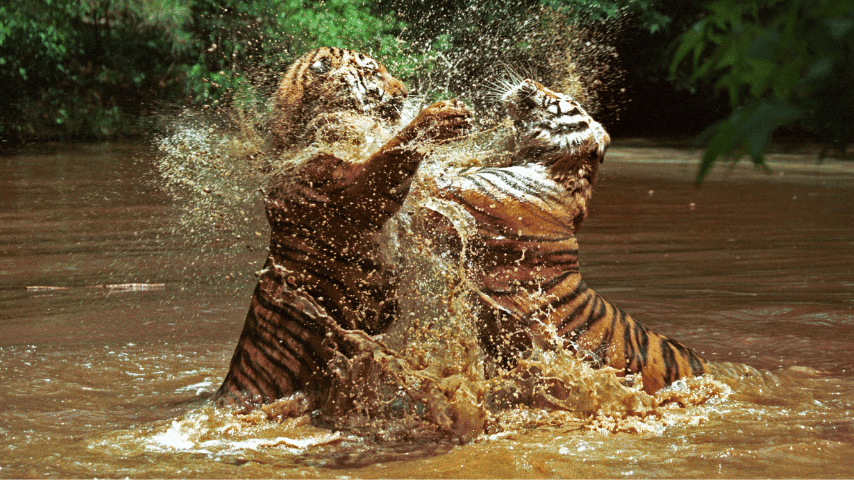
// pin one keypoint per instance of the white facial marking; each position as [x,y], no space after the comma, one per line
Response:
[356,88]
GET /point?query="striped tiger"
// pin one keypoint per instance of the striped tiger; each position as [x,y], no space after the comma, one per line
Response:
[523,258]
[324,264]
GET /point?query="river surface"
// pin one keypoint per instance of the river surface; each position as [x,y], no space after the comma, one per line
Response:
[755,269]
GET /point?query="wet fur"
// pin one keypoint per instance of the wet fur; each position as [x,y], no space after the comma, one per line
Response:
[324,262]
[523,258]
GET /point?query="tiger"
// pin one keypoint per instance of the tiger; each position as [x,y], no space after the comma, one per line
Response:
[324,264]
[522,260]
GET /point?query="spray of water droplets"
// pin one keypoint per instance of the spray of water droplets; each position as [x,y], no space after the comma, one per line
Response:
[427,375]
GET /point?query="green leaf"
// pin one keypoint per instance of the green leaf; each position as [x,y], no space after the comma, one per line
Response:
[690,41]
[820,69]
[839,27]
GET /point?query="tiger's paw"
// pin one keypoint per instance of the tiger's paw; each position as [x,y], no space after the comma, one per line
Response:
[444,120]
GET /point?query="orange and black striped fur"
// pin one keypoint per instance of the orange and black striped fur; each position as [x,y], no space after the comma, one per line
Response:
[523,258]
[324,264]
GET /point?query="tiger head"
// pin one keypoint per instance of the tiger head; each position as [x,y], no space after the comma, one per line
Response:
[333,85]
[554,130]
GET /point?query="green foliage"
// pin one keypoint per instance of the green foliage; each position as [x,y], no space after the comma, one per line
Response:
[467,48]
[646,14]
[236,38]
[78,70]
[90,69]
[83,69]
[781,64]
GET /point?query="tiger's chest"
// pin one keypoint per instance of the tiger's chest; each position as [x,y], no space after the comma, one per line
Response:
[524,226]
[329,255]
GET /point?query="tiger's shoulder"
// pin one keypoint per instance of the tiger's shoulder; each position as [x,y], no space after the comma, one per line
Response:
[512,201]
[546,182]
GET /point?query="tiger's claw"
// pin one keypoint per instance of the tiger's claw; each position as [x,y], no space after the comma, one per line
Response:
[444,120]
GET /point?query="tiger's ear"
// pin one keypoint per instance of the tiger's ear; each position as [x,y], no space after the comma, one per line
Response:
[321,66]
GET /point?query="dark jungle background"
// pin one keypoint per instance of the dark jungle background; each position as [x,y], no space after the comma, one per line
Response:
[131,226]
[736,72]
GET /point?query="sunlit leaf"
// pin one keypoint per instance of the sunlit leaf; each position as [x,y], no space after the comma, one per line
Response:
[839,27]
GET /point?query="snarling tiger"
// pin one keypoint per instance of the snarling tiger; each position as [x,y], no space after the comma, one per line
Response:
[324,264]
[522,260]
[325,272]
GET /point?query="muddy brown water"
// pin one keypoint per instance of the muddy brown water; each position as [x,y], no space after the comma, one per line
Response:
[752,268]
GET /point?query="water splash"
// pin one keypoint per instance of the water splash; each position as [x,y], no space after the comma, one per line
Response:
[213,173]
[427,376]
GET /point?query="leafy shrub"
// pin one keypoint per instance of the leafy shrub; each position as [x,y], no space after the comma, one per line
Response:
[76,70]
[90,70]
[781,64]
